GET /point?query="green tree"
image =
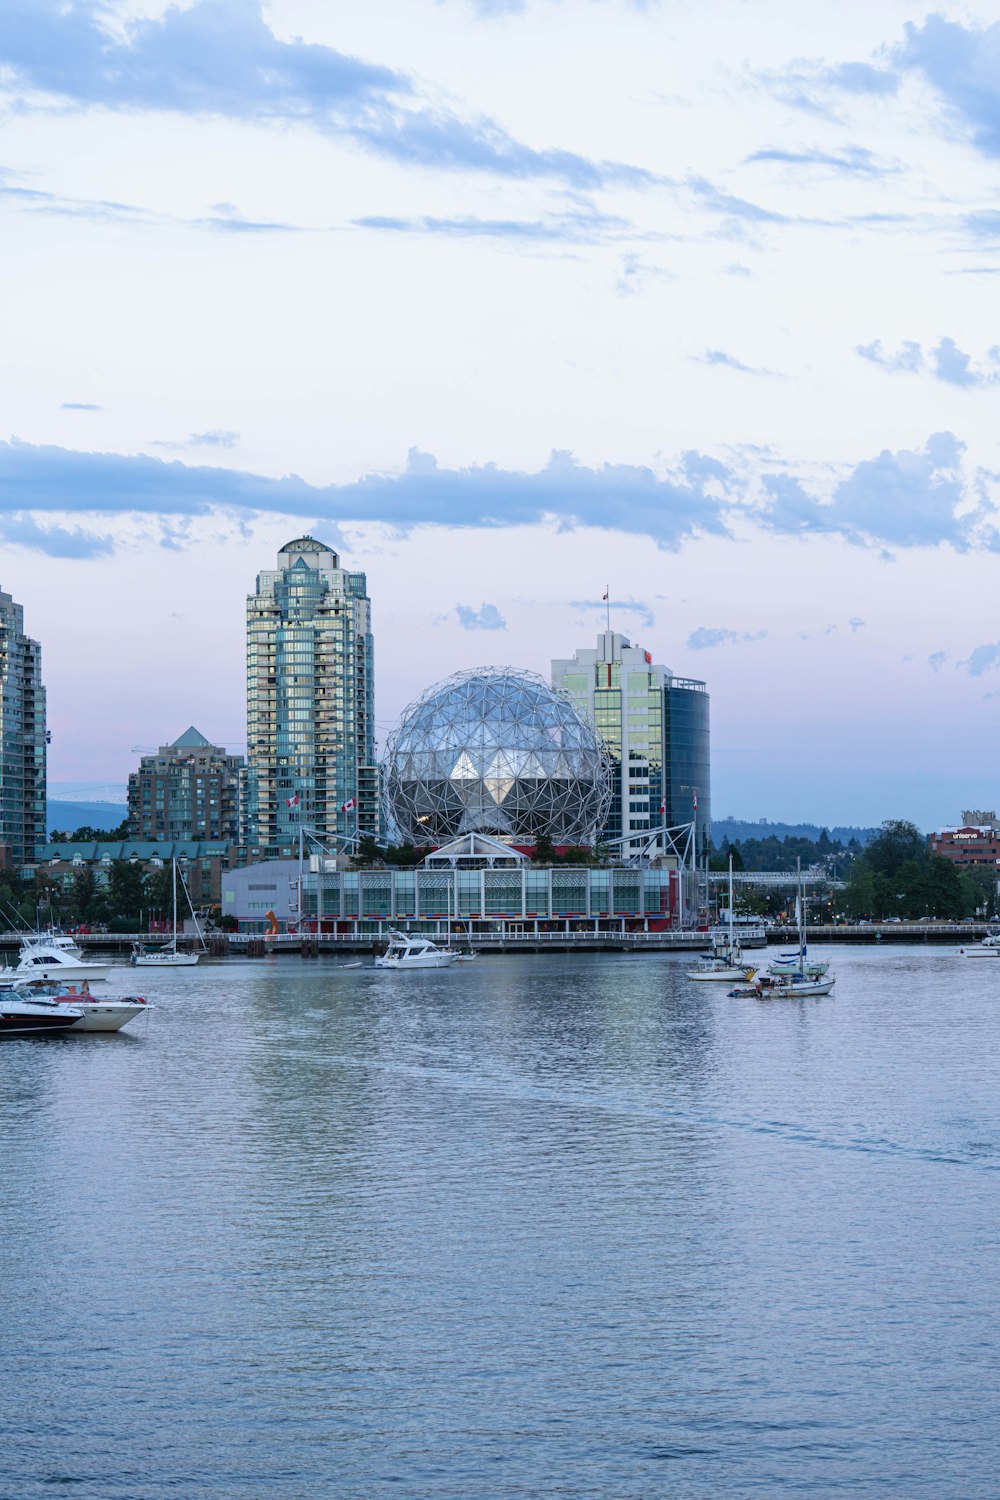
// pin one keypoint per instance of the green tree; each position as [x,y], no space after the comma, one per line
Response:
[859,897]
[544,852]
[126,889]
[896,843]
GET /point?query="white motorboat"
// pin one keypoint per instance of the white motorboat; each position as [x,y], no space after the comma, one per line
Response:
[90,1012]
[168,955]
[52,955]
[988,947]
[410,951]
[30,1016]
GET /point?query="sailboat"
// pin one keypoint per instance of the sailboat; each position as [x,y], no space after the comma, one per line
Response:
[724,962]
[168,955]
[800,979]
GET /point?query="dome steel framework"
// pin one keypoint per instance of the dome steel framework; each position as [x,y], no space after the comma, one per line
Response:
[494,750]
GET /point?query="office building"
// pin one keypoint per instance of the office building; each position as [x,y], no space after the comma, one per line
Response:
[656,728]
[310,687]
[976,842]
[189,790]
[23,739]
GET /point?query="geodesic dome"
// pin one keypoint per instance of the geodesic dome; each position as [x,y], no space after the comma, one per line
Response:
[496,751]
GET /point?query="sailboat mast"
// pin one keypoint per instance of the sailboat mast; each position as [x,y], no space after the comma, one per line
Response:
[173,864]
[730,906]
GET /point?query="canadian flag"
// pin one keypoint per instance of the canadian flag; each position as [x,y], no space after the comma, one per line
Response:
[292,801]
[663,806]
[349,805]
[695,799]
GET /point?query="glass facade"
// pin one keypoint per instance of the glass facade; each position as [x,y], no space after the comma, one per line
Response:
[310,700]
[655,727]
[22,738]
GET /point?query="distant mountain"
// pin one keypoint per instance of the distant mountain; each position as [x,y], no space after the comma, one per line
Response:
[736,830]
[68,816]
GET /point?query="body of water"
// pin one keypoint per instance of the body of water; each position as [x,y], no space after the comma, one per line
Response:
[534,1226]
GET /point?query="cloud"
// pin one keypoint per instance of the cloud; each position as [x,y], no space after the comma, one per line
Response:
[220,57]
[20,530]
[899,499]
[720,357]
[706,637]
[982,659]
[635,275]
[851,161]
[909,358]
[856,624]
[217,438]
[671,508]
[618,606]
[936,660]
[962,64]
[945,361]
[486,617]
[587,227]
[905,499]
[80,406]
[949,363]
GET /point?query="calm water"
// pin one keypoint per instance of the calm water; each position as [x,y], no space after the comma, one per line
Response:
[532,1226]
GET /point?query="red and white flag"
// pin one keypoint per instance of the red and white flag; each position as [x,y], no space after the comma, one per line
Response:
[292,801]
[663,806]
[695,799]
[349,805]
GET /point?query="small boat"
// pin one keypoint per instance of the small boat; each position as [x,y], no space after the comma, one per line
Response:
[988,947]
[95,1012]
[410,951]
[52,955]
[167,955]
[21,1016]
[785,987]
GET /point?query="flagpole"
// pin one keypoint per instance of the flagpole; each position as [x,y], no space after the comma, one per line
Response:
[607,600]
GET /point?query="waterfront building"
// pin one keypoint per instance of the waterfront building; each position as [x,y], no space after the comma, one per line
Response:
[201,862]
[497,751]
[23,738]
[310,708]
[190,789]
[495,893]
[656,728]
[976,842]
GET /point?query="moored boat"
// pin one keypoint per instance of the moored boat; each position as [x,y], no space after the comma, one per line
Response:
[987,947]
[23,1016]
[91,1012]
[53,955]
[411,951]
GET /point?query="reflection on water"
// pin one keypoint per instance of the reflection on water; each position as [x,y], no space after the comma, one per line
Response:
[534,1225]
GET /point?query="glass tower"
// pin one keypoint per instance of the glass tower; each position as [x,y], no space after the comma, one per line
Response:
[22,739]
[656,728]
[310,711]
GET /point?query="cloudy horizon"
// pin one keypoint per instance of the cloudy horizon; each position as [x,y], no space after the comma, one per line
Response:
[509,301]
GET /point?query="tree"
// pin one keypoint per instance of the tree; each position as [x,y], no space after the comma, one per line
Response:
[859,897]
[87,835]
[544,851]
[896,843]
[126,889]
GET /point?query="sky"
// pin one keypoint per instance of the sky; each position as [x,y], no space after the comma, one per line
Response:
[511,301]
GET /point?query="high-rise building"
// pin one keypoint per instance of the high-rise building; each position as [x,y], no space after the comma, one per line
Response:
[22,739]
[656,728]
[310,709]
[189,790]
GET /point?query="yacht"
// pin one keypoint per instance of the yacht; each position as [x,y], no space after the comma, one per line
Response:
[22,1015]
[52,955]
[95,1013]
[410,951]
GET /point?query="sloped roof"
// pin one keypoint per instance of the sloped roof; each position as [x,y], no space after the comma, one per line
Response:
[191,737]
